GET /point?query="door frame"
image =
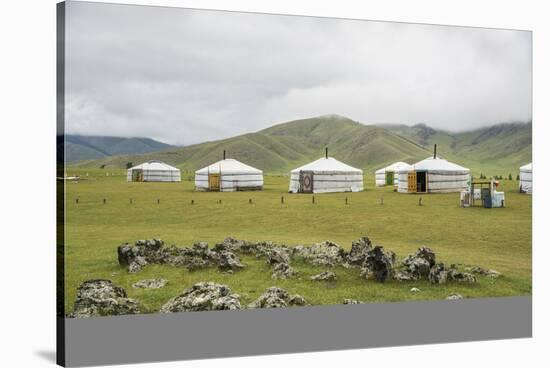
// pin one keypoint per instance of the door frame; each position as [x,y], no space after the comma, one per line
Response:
[425,173]
[214,182]
[137,174]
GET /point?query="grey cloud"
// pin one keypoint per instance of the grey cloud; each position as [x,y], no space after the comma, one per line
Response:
[186,76]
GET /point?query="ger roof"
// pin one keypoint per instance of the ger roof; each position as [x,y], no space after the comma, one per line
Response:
[155,165]
[527,167]
[437,163]
[229,166]
[396,166]
[327,164]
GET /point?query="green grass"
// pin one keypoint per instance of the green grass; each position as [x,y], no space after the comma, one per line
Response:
[496,238]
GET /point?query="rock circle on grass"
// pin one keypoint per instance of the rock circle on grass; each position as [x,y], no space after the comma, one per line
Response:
[203,296]
[96,298]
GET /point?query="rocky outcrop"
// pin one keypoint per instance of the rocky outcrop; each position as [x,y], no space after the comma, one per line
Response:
[283,271]
[96,298]
[440,274]
[324,276]
[359,251]
[229,261]
[275,297]
[150,284]
[419,263]
[326,253]
[378,263]
[484,272]
[203,296]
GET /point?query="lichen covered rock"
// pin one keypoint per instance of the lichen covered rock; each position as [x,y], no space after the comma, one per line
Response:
[359,251]
[96,298]
[283,271]
[275,297]
[378,263]
[203,296]
[324,276]
[326,253]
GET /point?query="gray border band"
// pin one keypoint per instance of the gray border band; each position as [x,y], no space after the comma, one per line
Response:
[199,335]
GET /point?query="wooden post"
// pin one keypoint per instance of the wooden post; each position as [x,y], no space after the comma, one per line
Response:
[104,200]
[192,201]
[420,201]
[249,200]
[346,201]
[313,199]
[77,201]
[158,201]
[131,201]
[282,200]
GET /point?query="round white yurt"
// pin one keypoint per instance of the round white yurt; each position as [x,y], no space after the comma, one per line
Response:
[388,175]
[326,175]
[433,175]
[526,178]
[228,175]
[153,171]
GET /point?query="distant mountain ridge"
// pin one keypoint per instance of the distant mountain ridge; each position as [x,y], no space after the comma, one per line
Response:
[288,145]
[501,145]
[81,147]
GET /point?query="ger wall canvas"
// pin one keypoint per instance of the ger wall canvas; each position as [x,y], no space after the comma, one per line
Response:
[220,165]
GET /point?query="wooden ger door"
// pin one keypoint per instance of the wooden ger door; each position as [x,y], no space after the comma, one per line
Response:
[214,182]
[412,182]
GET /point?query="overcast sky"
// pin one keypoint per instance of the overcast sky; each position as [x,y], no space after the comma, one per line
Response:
[186,76]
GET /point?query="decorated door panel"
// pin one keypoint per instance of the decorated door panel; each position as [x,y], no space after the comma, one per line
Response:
[306,182]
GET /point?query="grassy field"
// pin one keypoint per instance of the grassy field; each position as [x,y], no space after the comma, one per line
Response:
[497,238]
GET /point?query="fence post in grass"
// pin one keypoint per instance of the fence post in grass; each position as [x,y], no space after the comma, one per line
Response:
[192,201]
[313,199]
[104,200]
[131,201]
[249,200]
[420,201]
[282,200]
[77,201]
[346,201]
[158,201]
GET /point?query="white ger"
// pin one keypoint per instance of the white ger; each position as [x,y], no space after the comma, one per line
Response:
[433,175]
[228,175]
[326,175]
[388,175]
[153,171]
[526,178]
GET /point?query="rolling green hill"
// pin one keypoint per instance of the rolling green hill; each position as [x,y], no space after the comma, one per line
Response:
[80,147]
[496,150]
[288,145]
